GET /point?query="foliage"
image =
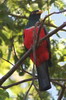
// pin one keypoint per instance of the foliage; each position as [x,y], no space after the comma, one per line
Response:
[13,18]
[3,95]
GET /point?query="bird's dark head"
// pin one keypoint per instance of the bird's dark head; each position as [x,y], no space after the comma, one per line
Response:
[36,12]
[33,18]
[35,15]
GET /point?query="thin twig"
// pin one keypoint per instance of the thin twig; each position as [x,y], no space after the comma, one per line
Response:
[56,79]
[35,41]
[52,25]
[7,61]
[57,83]
[28,91]
[53,32]
[53,14]
[18,16]
[37,33]
[61,92]
[17,83]
[13,65]
[28,72]
[15,52]
[39,93]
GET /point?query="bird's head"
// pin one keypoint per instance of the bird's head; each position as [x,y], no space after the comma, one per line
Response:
[33,18]
[35,14]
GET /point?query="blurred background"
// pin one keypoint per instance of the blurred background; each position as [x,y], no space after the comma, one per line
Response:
[13,18]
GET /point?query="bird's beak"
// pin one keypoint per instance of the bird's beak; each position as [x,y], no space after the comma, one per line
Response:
[39,12]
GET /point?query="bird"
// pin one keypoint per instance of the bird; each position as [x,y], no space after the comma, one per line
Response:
[43,52]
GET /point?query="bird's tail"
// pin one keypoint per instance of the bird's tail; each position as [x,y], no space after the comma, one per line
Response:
[43,77]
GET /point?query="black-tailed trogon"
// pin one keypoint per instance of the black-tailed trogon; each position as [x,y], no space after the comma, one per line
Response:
[43,54]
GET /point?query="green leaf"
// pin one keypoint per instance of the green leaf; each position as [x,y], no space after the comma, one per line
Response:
[1,54]
[4,38]
[0,41]
[3,94]
[58,35]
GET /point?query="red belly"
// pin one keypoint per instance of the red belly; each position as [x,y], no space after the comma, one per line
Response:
[42,51]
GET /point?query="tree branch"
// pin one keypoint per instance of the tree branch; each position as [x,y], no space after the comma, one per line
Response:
[17,16]
[57,83]
[52,25]
[53,32]
[49,24]
[54,13]
[17,83]
[25,97]
[61,92]
[56,79]
[31,79]
[7,61]
[27,54]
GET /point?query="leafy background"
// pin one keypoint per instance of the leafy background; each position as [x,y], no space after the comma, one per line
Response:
[13,18]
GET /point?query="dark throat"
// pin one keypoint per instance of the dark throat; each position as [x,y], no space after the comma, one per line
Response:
[32,20]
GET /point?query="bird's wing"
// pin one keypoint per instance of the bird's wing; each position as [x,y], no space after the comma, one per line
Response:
[48,46]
